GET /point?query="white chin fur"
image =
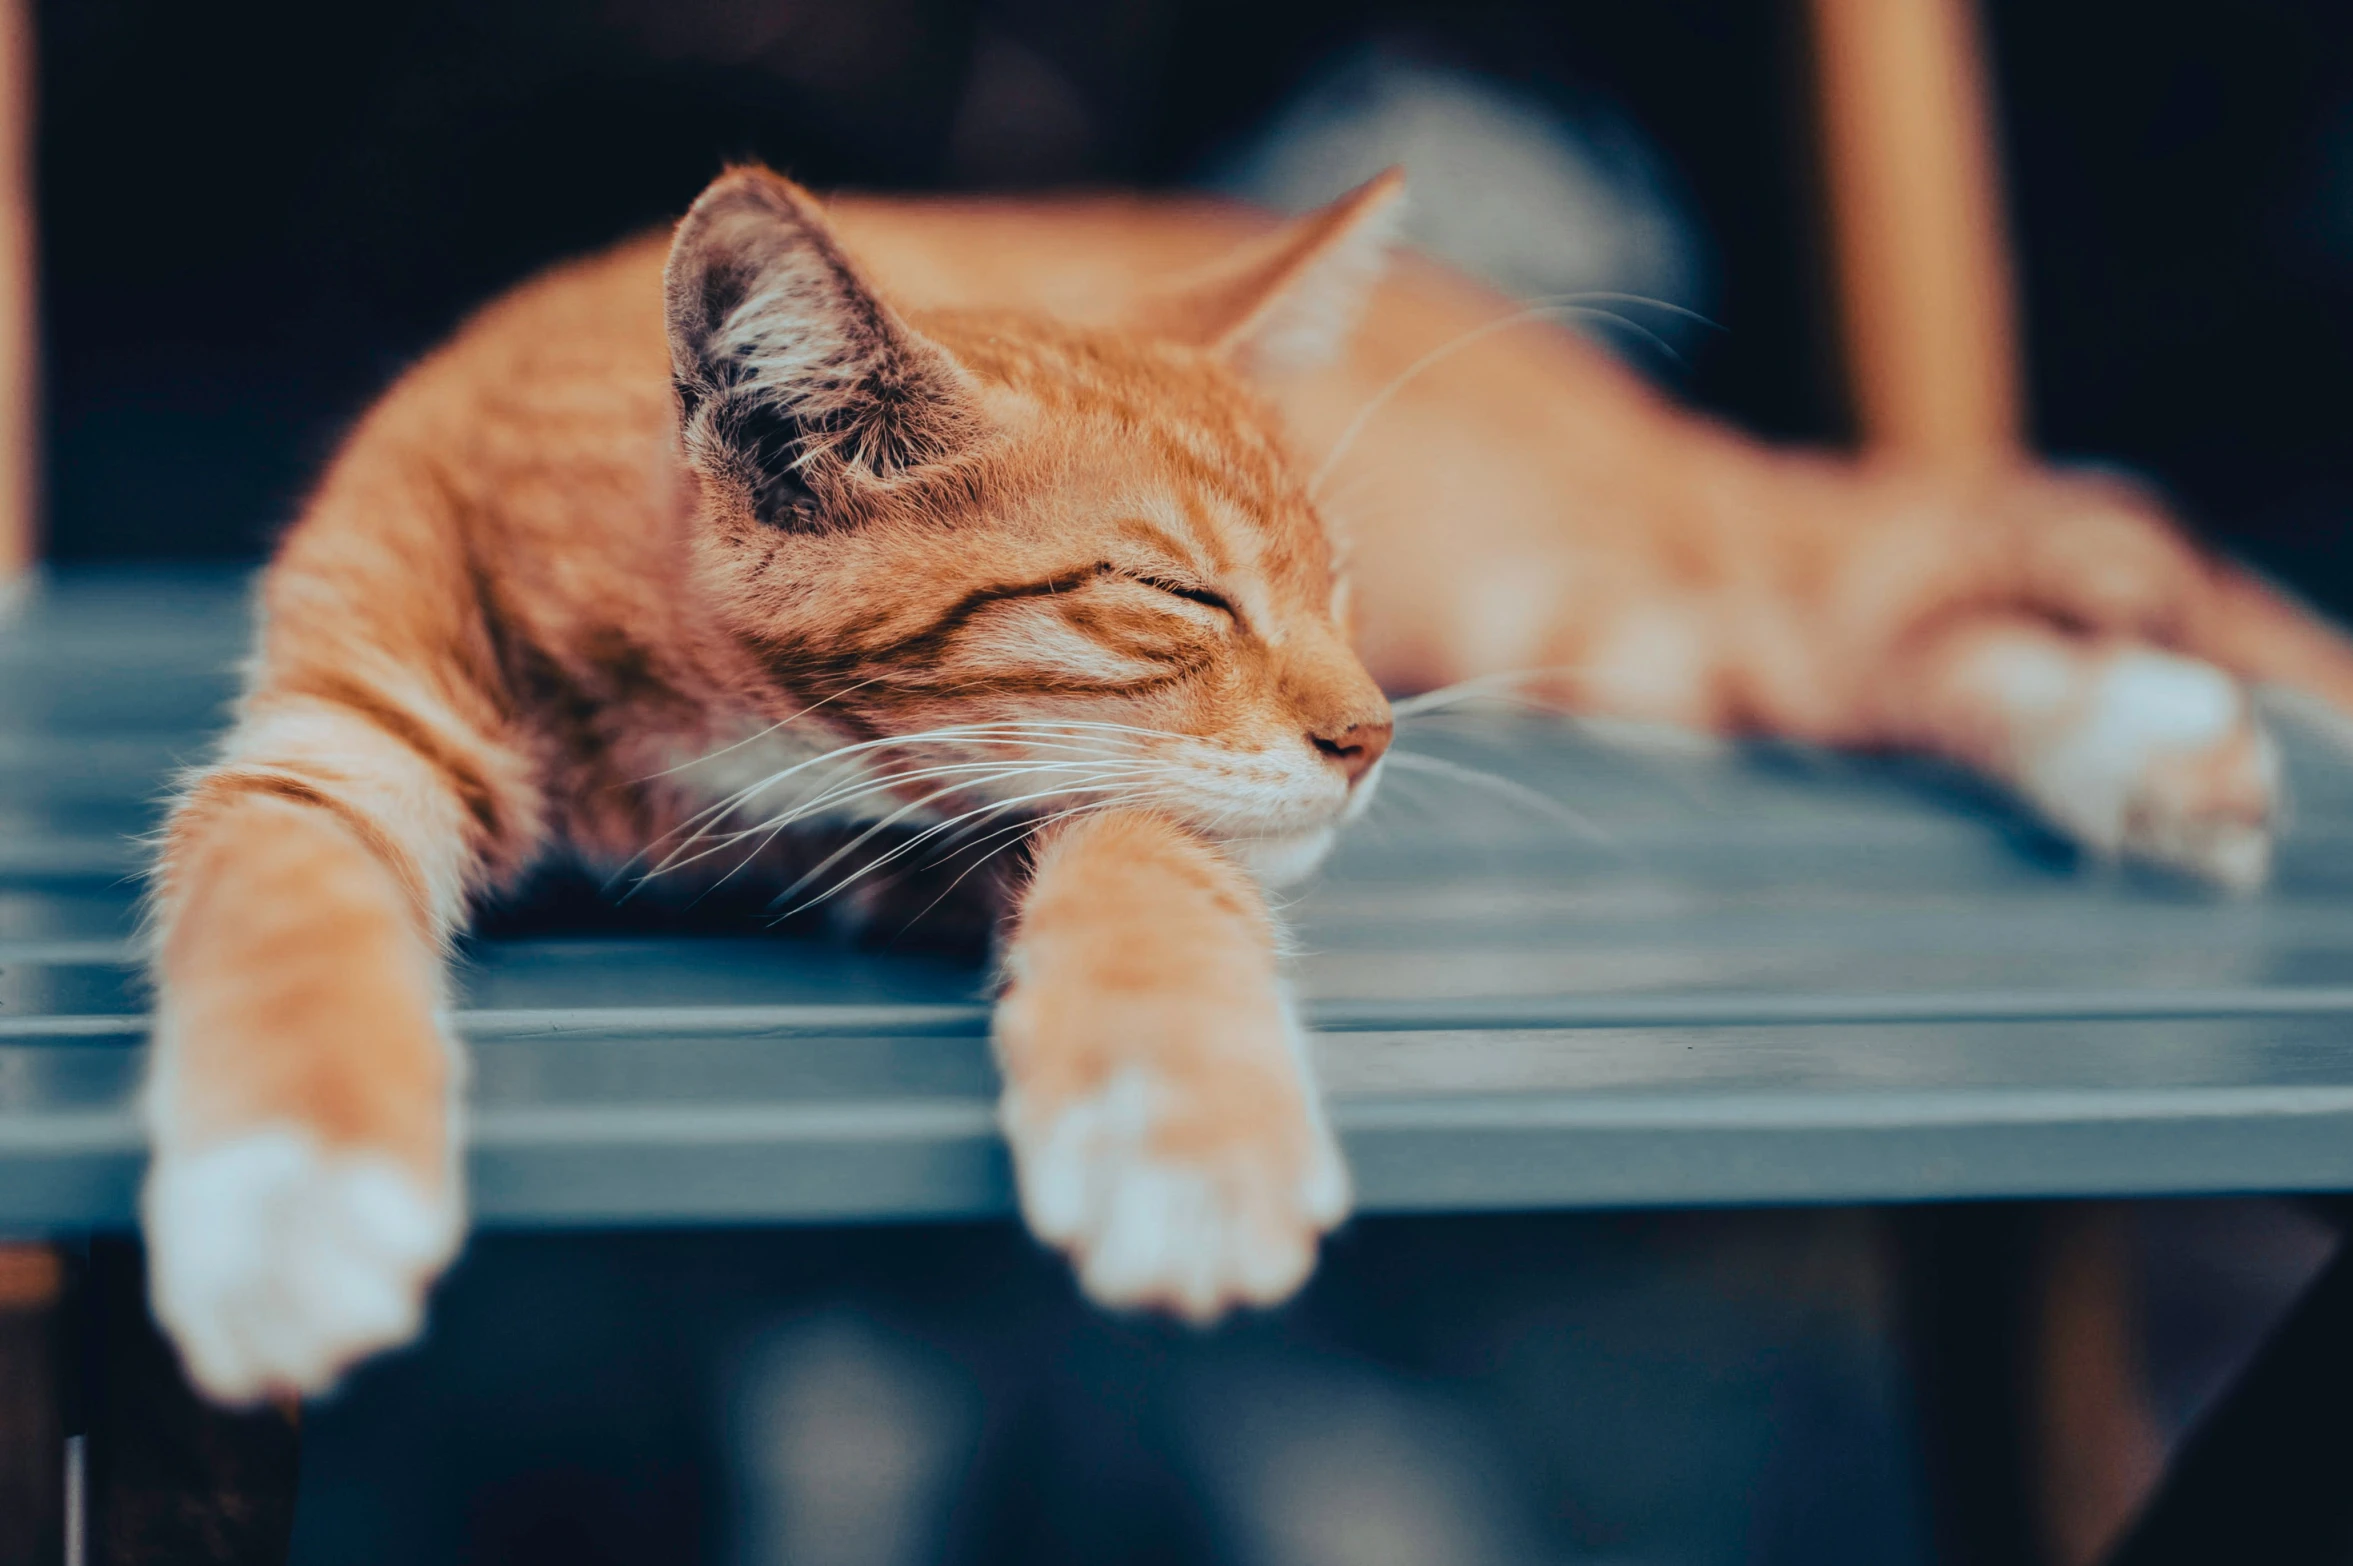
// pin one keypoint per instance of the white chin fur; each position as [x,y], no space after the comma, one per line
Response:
[1278,861]
[275,1263]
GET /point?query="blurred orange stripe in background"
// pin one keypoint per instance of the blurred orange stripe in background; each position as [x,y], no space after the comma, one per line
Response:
[1918,233]
[19,330]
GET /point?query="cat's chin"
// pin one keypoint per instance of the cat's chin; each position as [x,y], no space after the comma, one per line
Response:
[1284,858]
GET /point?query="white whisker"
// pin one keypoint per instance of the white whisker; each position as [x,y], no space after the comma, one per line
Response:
[1577,821]
[967,776]
[755,737]
[896,816]
[1498,684]
[1031,734]
[903,849]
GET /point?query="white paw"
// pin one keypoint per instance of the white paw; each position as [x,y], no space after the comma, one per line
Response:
[275,1264]
[2166,762]
[1192,1224]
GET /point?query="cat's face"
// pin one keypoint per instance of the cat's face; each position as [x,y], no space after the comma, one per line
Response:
[1037,569]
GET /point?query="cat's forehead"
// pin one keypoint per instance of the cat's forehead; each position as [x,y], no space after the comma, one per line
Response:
[1108,386]
[1155,443]
[1228,528]
[1167,495]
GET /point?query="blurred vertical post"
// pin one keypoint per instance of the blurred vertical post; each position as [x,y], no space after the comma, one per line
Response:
[19,331]
[1920,246]
[1928,307]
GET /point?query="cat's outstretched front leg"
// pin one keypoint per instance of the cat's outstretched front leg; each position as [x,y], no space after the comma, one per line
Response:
[304,1190]
[1166,1130]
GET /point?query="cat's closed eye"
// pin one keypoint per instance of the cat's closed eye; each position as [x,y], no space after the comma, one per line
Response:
[1192,592]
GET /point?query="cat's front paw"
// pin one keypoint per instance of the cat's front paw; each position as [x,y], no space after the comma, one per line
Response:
[1182,1181]
[275,1264]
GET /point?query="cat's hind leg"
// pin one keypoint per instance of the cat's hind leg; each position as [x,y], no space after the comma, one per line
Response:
[2100,663]
[2097,556]
[1165,1128]
[2129,749]
[304,1187]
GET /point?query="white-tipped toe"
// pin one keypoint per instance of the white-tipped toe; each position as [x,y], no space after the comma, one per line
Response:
[2165,762]
[275,1264]
[1199,1232]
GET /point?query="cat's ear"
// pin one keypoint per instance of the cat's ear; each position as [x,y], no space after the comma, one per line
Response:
[1287,302]
[796,382]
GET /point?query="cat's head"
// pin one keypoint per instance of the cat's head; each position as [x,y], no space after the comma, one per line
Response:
[1068,567]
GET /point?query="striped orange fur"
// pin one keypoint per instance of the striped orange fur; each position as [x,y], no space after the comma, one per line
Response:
[1036,514]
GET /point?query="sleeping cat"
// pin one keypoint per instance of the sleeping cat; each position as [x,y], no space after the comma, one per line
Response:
[1012,519]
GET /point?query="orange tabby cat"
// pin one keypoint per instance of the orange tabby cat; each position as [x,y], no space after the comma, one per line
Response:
[1025,505]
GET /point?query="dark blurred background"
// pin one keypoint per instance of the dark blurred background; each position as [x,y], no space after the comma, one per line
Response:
[253,216]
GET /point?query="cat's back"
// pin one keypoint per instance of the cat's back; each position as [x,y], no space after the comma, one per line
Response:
[582,344]
[516,487]
[574,354]
[550,414]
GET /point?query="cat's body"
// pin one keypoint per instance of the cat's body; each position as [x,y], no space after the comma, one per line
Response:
[1038,521]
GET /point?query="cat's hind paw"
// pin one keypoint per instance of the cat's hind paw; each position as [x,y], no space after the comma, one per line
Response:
[1156,1225]
[2169,764]
[275,1264]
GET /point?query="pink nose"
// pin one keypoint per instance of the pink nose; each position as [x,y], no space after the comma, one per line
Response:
[1354,750]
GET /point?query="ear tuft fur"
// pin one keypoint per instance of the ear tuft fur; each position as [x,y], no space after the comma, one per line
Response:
[796,383]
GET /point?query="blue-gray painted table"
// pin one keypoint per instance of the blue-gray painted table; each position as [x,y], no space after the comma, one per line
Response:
[1633,975]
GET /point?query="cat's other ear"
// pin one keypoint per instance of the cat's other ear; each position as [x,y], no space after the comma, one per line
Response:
[1288,302]
[796,383]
